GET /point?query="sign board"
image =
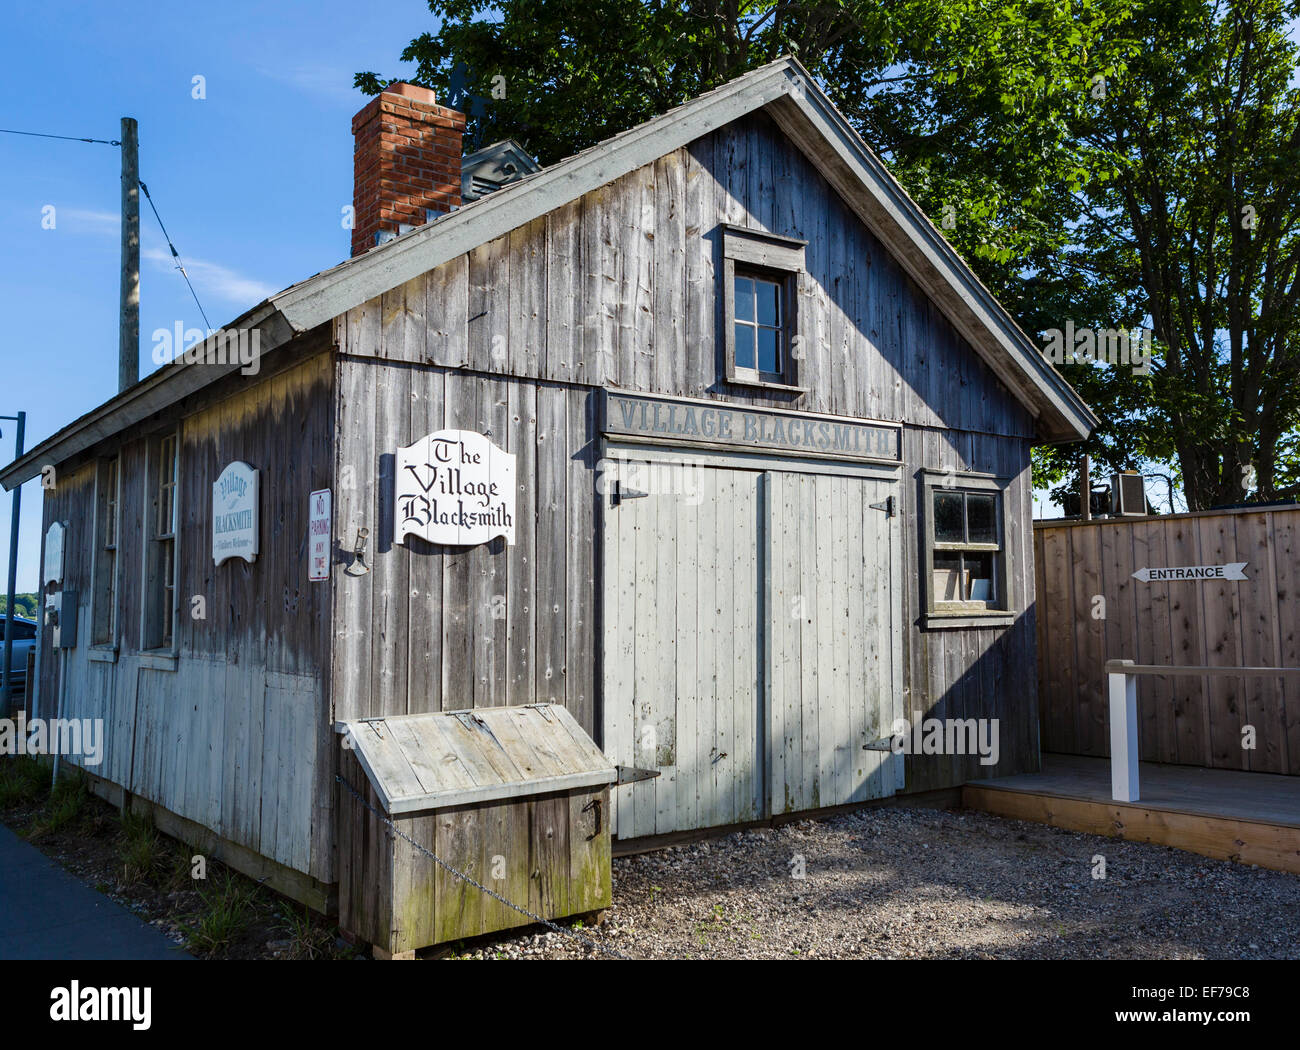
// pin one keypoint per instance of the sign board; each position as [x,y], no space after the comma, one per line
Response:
[716,424]
[54,553]
[234,514]
[454,487]
[1231,571]
[319,534]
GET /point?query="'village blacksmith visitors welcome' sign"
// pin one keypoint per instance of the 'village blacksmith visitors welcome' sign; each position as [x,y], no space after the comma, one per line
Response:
[455,487]
[234,514]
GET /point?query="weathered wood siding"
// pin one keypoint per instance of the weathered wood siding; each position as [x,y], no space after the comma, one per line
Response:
[619,289]
[1206,623]
[236,737]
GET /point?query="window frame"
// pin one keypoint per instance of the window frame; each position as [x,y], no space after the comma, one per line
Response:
[965,613]
[105,616]
[769,257]
[158,645]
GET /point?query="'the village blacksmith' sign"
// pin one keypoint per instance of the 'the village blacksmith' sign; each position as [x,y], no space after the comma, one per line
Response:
[234,514]
[455,487]
[744,428]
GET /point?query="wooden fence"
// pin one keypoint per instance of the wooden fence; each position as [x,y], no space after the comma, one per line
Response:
[1091,608]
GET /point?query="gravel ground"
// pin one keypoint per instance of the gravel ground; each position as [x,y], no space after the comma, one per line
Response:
[899,883]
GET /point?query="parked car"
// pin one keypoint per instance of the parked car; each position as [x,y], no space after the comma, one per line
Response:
[24,639]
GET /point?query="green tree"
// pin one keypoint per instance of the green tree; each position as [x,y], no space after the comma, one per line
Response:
[1194,231]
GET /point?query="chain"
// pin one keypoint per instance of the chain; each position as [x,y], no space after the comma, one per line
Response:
[478,885]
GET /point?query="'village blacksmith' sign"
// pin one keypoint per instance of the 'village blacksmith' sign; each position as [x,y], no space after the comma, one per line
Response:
[720,425]
[455,487]
[234,514]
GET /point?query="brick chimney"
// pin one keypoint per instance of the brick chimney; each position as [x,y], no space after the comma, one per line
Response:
[406,161]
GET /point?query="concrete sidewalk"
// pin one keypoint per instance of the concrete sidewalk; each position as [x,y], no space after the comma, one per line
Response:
[46,913]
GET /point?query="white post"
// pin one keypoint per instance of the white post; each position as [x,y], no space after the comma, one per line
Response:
[1123,736]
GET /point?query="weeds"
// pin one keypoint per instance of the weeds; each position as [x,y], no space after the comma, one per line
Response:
[307,940]
[143,851]
[23,781]
[225,915]
[64,807]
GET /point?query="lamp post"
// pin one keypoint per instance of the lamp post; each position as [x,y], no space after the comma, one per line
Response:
[8,656]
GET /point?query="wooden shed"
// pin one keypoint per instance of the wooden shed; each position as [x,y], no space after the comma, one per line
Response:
[514,798]
[705,435]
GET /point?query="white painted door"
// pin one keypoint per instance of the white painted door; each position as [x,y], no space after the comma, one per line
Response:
[682,649]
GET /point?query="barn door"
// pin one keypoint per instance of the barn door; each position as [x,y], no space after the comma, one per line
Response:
[830,661]
[682,646]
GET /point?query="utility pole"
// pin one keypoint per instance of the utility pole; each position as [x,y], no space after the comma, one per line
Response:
[13,575]
[128,340]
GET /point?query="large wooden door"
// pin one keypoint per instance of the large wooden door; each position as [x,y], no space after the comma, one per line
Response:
[749,645]
[682,650]
[831,657]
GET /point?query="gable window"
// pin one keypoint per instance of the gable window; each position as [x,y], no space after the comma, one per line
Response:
[107,526]
[965,576]
[760,283]
[160,558]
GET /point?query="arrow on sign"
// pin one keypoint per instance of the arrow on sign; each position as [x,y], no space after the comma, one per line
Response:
[1231,571]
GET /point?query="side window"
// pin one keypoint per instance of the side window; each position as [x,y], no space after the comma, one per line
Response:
[160,544]
[965,547]
[107,525]
[760,308]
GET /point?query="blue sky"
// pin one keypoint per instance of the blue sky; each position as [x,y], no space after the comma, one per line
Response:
[250,180]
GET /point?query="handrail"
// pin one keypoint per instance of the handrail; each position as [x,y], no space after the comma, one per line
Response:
[1129,667]
[1122,676]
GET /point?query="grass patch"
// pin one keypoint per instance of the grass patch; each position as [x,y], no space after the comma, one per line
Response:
[307,938]
[23,781]
[143,852]
[64,808]
[225,915]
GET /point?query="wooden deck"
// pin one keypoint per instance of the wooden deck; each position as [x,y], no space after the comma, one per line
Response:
[1251,818]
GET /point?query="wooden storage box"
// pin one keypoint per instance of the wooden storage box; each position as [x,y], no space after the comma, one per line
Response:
[516,798]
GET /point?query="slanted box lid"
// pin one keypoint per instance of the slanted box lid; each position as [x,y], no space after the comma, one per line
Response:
[452,758]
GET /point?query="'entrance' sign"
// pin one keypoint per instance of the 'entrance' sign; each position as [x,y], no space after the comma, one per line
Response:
[234,514]
[1231,571]
[720,425]
[455,487]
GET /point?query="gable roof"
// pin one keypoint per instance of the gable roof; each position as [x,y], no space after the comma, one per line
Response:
[783,89]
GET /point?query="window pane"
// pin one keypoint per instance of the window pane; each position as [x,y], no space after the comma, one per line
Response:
[744,299]
[979,575]
[981,519]
[947,577]
[769,303]
[744,346]
[769,350]
[947,518]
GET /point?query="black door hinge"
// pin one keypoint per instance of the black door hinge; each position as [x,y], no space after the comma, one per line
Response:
[619,493]
[887,505]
